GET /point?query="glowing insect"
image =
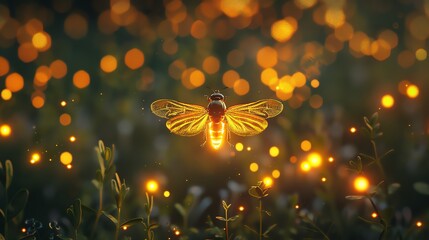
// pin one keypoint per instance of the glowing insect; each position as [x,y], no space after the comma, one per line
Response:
[217,121]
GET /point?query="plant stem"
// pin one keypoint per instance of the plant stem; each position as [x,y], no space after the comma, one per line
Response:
[382,221]
[118,224]
[226,224]
[260,219]
[149,235]
[98,214]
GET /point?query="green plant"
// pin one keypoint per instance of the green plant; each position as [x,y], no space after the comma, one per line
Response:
[75,212]
[11,212]
[383,189]
[259,192]
[226,219]
[148,226]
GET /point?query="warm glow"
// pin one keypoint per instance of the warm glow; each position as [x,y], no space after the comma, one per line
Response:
[334,17]
[38,101]
[282,30]
[361,184]
[323,179]
[35,158]
[4,66]
[63,103]
[297,206]
[412,91]
[229,78]
[387,101]
[134,58]
[315,83]
[216,136]
[306,145]
[211,65]
[305,166]
[69,166]
[152,186]
[58,69]
[239,146]
[108,63]
[268,181]
[5,130]
[274,151]
[421,54]
[23,230]
[330,159]
[66,158]
[241,208]
[197,78]
[352,129]
[314,159]
[124,228]
[419,224]
[72,138]
[241,87]
[65,119]
[374,215]
[266,57]
[81,79]
[177,232]
[14,82]
[166,194]
[249,149]
[40,40]
[275,173]
[253,167]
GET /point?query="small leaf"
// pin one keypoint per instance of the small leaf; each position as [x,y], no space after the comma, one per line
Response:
[9,173]
[77,211]
[180,209]
[268,213]
[251,229]
[96,183]
[220,218]
[112,218]
[101,146]
[17,203]
[231,219]
[393,187]
[224,205]
[269,229]
[421,187]
[114,186]
[108,155]
[374,118]
[355,197]
[153,226]
[255,192]
[100,161]
[131,222]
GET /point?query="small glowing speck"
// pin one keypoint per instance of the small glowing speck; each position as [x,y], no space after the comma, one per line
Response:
[166,194]
[374,215]
[293,159]
[152,186]
[66,158]
[253,167]
[35,157]
[268,181]
[330,159]
[306,145]
[69,166]
[314,159]
[5,130]
[177,232]
[63,103]
[352,129]
[275,173]
[239,147]
[296,206]
[305,166]
[72,139]
[274,151]
[124,228]
[323,179]
[361,184]
[412,91]
[387,101]
[23,230]
[419,224]
[249,149]
[241,208]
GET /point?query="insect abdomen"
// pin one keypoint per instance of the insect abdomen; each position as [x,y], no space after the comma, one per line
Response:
[216,134]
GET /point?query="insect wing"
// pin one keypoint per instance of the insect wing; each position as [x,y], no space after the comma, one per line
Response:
[249,119]
[245,124]
[189,124]
[167,108]
[266,108]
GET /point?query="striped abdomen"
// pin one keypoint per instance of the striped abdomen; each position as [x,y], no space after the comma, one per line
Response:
[216,133]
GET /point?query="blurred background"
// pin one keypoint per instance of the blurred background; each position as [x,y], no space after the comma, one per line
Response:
[73,72]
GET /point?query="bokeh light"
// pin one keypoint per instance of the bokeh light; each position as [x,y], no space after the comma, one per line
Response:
[314,159]
[5,130]
[361,184]
[268,181]
[412,91]
[81,79]
[253,167]
[274,151]
[152,186]
[387,101]
[6,94]
[108,63]
[66,158]
[134,58]
[239,146]
[305,145]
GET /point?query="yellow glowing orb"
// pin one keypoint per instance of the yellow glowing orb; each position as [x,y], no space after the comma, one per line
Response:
[166,194]
[253,167]
[268,181]
[66,158]
[35,157]
[63,103]
[330,159]
[353,130]
[419,224]
[305,145]
[6,94]
[412,91]
[239,147]
[5,130]
[69,166]
[305,166]
[387,101]
[274,151]
[275,173]
[152,186]
[323,179]
[314,159]
[240,208]
[374,215]
[361,184]
[72,138]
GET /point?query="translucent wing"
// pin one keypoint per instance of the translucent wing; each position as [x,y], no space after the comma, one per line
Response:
[249,119]
[185,119]
[167,108]
[266,108]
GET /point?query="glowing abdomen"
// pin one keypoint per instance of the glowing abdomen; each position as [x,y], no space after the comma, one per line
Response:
[216,134]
